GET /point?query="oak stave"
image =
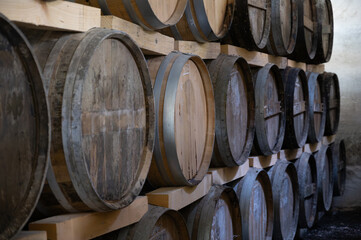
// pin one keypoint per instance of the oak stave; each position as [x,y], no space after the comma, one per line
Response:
[333,103]
[102,120]
[316,107]
[286,199]
[339,167]
[185,120]
[307,180]
[234,100]
[24,130]
[297,107]
[270,118]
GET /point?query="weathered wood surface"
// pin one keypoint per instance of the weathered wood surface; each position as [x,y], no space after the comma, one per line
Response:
[30,235]
[297,108]
[90,225]
[333,103]
[53,15]
[320,68]
[228,174]
[24,130]
[208,50]
[339,167]
[234,99]
[102,119]
[185,120]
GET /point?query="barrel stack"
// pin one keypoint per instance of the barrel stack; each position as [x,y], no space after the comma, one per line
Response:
[168,120]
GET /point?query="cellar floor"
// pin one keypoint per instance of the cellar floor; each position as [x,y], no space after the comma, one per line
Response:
[337,225]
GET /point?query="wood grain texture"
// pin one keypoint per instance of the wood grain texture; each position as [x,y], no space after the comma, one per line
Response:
[56,15]
[333,103]
[208,50]
[253,58]
[31,235]
[24,130]
[102,113]
[185,119]
[225,175]
[90,225]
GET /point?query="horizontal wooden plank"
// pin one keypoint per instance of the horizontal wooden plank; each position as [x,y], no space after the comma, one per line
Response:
[312,147]
[252,57]
[291,154]
[209,50]
[326,140]
[295,64]
[228,174]
[30,235]
[151,43]
[54,15]
[320,68]
[263,161]
[178,197]
[92,224]
[281,62]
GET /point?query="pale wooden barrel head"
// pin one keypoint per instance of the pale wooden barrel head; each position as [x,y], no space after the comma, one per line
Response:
[216,13]
[24,130]
[163,9]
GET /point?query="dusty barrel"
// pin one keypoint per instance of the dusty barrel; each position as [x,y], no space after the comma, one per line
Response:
[254,192]
[332,89]
[307,180]
[325,178]
[150,14]
[185,120]
[297,107]
[339,167]
[157,224]
[286,200]
[102,118]
[203,21]
[306,43]
[234,99]
[284,27]
[316,107]
[270,116]
[216,216]
[251,24]
[325,32]
[24,130]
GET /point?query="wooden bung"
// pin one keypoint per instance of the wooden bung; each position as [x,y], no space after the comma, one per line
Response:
[307,180]
[24,130]
[234,99]
[333,102]
[286,200]
[254,192]
[297,107]
[216,216]
[185,120]
[150,14]
[339,167]
[316,107]
[102,118]
[270,115]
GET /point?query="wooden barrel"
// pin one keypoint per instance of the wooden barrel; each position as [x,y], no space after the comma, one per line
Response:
[216,216]
[325,32]
[286,200]
[332,89]
[307,180]
[185,120]
[24,130]
[251,24]
[339,167]
[270,110]
[234,99]
[254,192]
[284,27]
[203,21]
[306,43]
[325,178]
[150,14]
[102,118]
[157,224]
[316,107]
[297,107]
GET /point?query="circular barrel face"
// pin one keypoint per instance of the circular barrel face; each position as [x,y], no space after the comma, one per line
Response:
[257,11]
[113,119]
[216,12]
[327,30]
[310,29]
[286,19]
[164,9]
[309,200]
[222,222]
[318,105]
[333,107]
[166,228]
[190,112]
[258,213]
[327,182]
[287,207]
[299,109]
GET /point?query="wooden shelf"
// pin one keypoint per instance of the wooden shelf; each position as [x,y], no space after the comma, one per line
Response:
[263,161]
[92,224]
[252,57]
[315,68]
[178,197]
[209,50]
[294,64]
[56,15]
[30,235]
[228,174]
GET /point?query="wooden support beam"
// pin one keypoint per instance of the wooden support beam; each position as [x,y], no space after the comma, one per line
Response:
[312,147]
[252,57]
[30,235]
[178,197]
[228,174]
[92,224]
[209,50]
[55,15]
[281,62]
[291,154]
[295,64]
[315,68]
[263,161]
[151,43]
[327,140]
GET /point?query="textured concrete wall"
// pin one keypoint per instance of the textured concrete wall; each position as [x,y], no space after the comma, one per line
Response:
[346,62]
